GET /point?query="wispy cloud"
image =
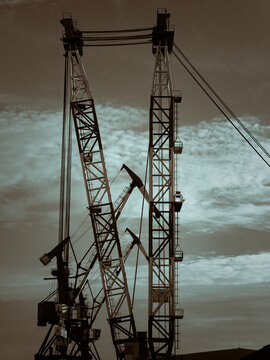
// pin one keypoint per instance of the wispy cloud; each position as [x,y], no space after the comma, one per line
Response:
[232,270]
[222,179]
[242,270]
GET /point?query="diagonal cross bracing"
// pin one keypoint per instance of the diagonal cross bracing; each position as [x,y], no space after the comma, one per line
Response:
[161,303]
[100,206]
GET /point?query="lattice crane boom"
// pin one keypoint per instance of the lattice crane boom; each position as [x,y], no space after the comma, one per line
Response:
[162,241]
[101,209]
[70,314]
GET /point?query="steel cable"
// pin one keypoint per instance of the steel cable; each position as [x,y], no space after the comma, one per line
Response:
[115,31]
[134,37]
[222,102]
[216,104]
[120,44]
[140,233]
[63,152]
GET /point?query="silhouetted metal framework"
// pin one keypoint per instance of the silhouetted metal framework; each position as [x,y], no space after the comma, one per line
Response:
[67,312]
[70,316]
[78,316]
[101,209]
[162,236]
[70,334]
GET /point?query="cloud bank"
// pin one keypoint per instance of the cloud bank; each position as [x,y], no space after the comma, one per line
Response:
[242,270]
[222,179]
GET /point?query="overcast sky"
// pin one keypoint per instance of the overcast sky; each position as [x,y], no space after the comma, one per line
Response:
[224,278]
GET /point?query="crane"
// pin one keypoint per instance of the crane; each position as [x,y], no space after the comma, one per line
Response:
[89,311]
[164,252]
[99,199]
[71,316]
[67,310]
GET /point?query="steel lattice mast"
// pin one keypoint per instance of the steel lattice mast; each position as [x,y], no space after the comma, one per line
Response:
[70,335]
[69,314]
[99,198]
[163,254]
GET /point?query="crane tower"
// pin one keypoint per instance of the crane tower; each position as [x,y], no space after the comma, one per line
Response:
[71,334]
[67,310]
[164,251]
[101,209]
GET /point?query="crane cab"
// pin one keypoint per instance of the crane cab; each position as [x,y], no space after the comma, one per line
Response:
[47,313]
[177,96]
[178,255]
[178,146]
[178,201]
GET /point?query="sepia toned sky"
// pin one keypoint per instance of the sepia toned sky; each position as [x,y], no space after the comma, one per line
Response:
[224,278]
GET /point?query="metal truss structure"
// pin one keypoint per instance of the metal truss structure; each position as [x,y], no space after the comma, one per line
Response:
[100,205]
[67,310]
[163,253]
[71,316]
[79,315]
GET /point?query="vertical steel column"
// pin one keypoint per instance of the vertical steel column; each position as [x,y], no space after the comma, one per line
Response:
[161,325]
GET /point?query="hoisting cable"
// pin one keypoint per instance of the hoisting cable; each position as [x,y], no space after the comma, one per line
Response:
[79,227]
[223,112]
[73,252]
[68,176]
[222,101]
[121,44]
[140,233]
[115,177]
[82,235]
[116,38]
[63,157]
[115,31]
[124,37]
